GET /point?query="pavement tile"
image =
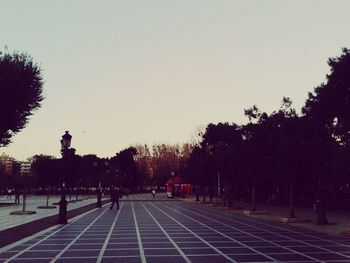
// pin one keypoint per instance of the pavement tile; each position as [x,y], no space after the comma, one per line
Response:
[250,258]
[338,248]
[307,249]
[208,259]
[38,254]
[289,257]
[34,260]
[165,252]
[85,246]
[122,260]
[328,256]
[272,249]
[158,245]
[165,259]
[199,251]
[122,252]
[239,250]
[192,245]
[7,254]
[81,253]
[123,245]
[76,260]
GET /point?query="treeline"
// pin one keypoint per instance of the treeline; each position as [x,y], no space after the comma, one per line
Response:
[283,153]
[136,168]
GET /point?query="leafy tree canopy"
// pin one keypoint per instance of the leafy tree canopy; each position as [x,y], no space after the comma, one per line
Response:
[21,87]
[328,107]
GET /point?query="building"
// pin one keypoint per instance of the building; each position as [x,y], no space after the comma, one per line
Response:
[6,165]
[25,168]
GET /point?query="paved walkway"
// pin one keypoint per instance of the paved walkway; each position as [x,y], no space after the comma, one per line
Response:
[8,221]
[160,231]
[339,220]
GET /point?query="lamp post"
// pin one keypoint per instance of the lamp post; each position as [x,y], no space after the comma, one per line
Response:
[98,190]
[66,151]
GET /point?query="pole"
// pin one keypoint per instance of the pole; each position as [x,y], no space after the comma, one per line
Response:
[99,196]
[219,186]
[24,197]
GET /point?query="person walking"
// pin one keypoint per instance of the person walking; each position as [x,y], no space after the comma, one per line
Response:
[154,193]
[114,197]
[17,195]
[9,193]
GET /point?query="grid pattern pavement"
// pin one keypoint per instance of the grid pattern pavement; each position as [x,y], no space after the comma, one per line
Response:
[158,232]
[8,221]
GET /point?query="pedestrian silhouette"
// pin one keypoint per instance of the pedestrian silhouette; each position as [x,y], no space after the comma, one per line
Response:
[154,193]
[114,196]
[17,195]
[9,193]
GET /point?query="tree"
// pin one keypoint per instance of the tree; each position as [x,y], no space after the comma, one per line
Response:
[224,143]
[258,151]
[198,169]
[288,133]
[21,87]
[42,167]
[125,165]
[327,113]
[143,160]
[329,105]
[165,161]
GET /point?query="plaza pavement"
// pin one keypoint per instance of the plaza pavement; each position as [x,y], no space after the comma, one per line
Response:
[339,220]
[8,221]
[157,231]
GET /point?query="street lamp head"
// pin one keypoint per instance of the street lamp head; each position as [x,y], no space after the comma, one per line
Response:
[66,139]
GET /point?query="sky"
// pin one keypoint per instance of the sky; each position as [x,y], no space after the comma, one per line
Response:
[120,73]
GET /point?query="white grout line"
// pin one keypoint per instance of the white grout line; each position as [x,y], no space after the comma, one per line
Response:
[271,242]
[77,237]
[103,249]
[167,235]
[204,241]
[142,252]
[41,233]
[34,236]
[220,233]
[288,230]
[292,231]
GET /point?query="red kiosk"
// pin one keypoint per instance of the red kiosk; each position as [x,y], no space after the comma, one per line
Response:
[175,186]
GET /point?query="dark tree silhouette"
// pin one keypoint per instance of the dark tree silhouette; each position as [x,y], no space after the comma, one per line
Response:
[327,112]
[125,165]
[259,153]
[198,169]
[288,138]
[224,143]
[21,86]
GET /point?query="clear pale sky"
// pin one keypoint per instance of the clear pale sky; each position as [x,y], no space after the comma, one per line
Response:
[151,71]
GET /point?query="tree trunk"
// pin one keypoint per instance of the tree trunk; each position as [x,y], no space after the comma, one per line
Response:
[291,200]
[321,215]
[204,195]
[230,197]
[253,198]
[211,194]
[47,199]
[321,208]
[197,193]
[77,194]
